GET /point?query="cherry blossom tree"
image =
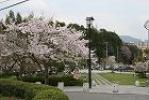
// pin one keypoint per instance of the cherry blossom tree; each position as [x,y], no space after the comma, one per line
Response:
[42,43]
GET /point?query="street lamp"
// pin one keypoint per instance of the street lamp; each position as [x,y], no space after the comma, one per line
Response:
[146,25]
[106,43]
[89,22]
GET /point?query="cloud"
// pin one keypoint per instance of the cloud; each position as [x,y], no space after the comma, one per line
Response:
[122,16]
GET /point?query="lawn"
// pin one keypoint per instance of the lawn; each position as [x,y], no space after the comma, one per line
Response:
[124,79]
[84,77]
[8,98]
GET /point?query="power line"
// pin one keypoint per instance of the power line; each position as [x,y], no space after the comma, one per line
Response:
[4,1]
[15,4]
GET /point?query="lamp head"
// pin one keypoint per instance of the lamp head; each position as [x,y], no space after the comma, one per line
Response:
[146,25]
[89,21]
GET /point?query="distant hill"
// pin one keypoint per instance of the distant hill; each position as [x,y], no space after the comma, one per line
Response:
[128,39]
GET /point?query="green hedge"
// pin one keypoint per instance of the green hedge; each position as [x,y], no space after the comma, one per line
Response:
[29,91]
[141,75]
[53,80]
[7,75]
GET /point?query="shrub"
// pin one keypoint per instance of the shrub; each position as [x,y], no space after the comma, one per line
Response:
[6,75]
[141,75]
[53,80]
[67,79]
[30,91]
[33,79]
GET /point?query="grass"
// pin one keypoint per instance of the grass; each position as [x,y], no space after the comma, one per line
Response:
[84,77]
[3,98]
[8,98]
[124,79]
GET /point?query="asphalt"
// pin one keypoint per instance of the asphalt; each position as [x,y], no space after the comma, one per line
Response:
[122,89]
[97,96]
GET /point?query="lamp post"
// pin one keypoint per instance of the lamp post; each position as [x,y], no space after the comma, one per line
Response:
[89,21]
[106,43]
[146,26]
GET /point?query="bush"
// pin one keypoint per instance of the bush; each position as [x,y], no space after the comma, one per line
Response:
[67,79]
[30,91]
[141,75]
[6,75]
[33,79]
[53,80]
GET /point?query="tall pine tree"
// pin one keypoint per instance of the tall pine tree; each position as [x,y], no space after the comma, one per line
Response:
[18,18]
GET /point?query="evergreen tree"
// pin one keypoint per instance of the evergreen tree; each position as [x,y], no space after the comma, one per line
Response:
[60,24]
[31,16]
[18,18]
[7,21]
[98,42]
[12,16]
[76,27]
[51,23]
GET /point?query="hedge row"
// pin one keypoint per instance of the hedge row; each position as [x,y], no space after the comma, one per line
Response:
[53,80]
[6,75]
[30,91]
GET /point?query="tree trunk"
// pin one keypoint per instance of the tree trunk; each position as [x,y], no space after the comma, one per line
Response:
[46,75]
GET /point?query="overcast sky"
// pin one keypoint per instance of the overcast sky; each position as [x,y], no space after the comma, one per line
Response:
[125,17]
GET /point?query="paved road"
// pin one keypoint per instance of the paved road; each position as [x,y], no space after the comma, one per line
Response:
[109,89]
[96,96]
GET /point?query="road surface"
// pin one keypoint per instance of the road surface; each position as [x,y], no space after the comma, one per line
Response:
[97,96]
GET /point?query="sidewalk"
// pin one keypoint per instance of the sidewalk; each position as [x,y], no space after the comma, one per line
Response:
[109,90]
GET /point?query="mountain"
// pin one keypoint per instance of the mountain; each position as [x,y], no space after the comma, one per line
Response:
[128,39]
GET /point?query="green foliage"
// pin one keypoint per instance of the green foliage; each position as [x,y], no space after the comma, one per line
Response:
[59,24]
[126,55]
[141,75]
[7,75]
[135,50]
[139,57]
[53,80]
[10,18]
[2,27]
[136,54]
[51,23]
[68,81]
[7,20]
[99,38]
[30,91]
[76,27]
[59,65]
[146,51]
[18,18]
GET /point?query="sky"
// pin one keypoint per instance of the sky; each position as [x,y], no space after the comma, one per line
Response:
[125,17]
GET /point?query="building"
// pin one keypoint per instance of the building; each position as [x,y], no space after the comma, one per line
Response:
[142,45]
